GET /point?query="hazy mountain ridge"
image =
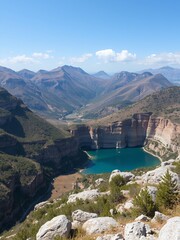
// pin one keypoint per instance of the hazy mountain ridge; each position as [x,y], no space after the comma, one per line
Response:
[66,89]
[164,103]
[172,74]
[125,88]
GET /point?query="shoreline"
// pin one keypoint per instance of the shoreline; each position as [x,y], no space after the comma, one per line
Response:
[160,159]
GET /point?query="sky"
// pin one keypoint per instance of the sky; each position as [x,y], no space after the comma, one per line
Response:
[109,35]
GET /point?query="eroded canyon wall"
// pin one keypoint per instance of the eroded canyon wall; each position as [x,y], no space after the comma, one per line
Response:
[142,129]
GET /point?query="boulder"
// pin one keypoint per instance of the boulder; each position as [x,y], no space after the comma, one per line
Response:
[99,181]
[171,230]
[117,236]
[159,217]
[41,204]
[82,216]
[143,218]
[155,176]
[124,207]
[136,230]
[85,195]
[99,225]
[128,176]
[58,226]
[76,224]
[128,204]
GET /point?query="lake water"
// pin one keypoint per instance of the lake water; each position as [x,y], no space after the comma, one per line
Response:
[125,159]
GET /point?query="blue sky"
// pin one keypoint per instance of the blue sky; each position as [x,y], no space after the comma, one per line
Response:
[110,35]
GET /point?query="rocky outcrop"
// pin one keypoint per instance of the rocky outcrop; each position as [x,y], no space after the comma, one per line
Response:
[159,217]
[170,230]
[99,225]
[128,176]
[117,236]
[155,176]
[85,195]
[82,216]
[143,218]
[136,230]
[58,226]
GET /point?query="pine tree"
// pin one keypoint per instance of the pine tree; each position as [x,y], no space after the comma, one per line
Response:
[167,194]
[144,203]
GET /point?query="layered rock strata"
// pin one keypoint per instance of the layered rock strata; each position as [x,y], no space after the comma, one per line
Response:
[160,135]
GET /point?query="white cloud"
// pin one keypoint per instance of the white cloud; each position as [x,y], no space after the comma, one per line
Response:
[25,59]
[163,58]
[40,55]
[81,59]
[109,55]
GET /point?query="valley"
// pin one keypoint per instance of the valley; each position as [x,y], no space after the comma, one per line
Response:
[34,151]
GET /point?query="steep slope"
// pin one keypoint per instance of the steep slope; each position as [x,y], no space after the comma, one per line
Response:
[26,74]
[22,88]
[124,89]
[164,103]
[67,88]
[30,148]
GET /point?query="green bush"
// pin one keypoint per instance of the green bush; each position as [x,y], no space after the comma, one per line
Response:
[144,204]
[167,194]
[116,185]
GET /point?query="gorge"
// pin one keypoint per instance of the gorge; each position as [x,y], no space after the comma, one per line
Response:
[27,139]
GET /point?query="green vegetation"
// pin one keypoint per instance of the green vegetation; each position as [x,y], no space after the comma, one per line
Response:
[116,185]
[16,169]
[167,194]
[144,204]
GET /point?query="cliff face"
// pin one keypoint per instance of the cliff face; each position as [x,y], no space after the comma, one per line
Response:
[140,130]
[128,133]
[17,194]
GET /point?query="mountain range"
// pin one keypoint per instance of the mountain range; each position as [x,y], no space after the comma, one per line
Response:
[65,90]
[172,74]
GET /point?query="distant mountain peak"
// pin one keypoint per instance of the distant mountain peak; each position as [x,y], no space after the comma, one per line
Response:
[167,68]
[101,74]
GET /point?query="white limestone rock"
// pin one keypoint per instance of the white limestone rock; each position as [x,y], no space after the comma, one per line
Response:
[99,181]
[136,230]
[117,236]
[82,216]
[99,225]
[125,207]
[41,205]
[58,226]
[85,195]
[169,162]
[76,224]
[155,176]
[128,204]
[171,230]
[143,218]
[128,176]
[159,217]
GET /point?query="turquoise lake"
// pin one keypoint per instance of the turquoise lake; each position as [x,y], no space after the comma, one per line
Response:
[126,159]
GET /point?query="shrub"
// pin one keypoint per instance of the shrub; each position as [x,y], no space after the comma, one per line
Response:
[144,203]
[167,194]
[116,185]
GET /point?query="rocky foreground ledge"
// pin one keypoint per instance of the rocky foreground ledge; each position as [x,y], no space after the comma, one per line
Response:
[118,224]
